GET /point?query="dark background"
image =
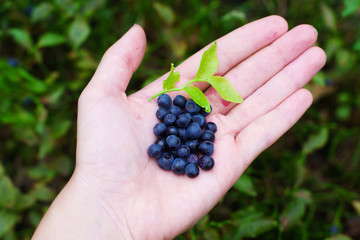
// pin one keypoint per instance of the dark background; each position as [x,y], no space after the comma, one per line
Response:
[306,186]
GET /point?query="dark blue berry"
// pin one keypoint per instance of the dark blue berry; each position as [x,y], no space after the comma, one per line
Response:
[164,101]
[193,131]
[192,107]
[193,145]
[183,120]
[154,150]
[165,161]
[183,151]
[179,101]
[193,158]
[199,119]
[182,134]
[204,113]
[170,119]
[211,126]
[208,136]
[206,148]
[162,144]
[160,129]
[173,141]
[178,166]
[192,170]
[14,62]
[161,113]
[172,130]
[175,110]
[206,162]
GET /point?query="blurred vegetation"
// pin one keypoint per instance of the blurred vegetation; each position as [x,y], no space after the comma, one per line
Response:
[306,186]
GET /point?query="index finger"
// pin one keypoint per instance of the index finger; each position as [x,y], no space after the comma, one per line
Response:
[232,49]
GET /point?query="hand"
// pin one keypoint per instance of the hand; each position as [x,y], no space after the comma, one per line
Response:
[118,191]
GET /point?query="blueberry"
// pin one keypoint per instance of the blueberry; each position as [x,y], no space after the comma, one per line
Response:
[173,141]
[160,129]
[165,161]
[192,107]
[154,150]
[172,130]
[170,119]
[179,101]
[14,62]
[178,166]
[206,162]
[183,151]
[199,119]
[175,110]
[183,120]
[192,170]
[182,134]
[161,113]
[162,144]
[193,145]
[193,158]
[193,131]
[211,126]
[164,101]
[204,113]
[208,136]
[206,148]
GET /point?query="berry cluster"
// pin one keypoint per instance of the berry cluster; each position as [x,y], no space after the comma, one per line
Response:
[185,139]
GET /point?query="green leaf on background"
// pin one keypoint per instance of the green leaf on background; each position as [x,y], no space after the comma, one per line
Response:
[7,192]
[43,193]
[2,170]
[316,140]
[295,209]
[24,201]
[320,79]
[339,237]
[79,31]
[41,12]
[329,17]
[356,45]
[33,84]
[60,129]
[198,96]
[47,144]
[50,39]
[7,221]
[21,37]
[208,64]
[356,205]
[165,12]
[41,172]
[173,77]
[250,223]
[225,89]
[351,6]
[245,185]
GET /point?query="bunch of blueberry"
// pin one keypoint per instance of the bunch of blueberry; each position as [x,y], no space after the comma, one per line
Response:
[185,139]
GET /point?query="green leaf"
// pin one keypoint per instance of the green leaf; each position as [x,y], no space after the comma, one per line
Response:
[329,17]
[225,89]
[245,185]
[41,12]
[7,221]
[50,39]
[351,6]
[254,228]
[22,37]
[198,96]
[320,79]
[170,81]
[208,64]
[79,31]
[7,193]
[165,13]
[24,201]
[43,193]
[339,237]
[41,172]
[316,141]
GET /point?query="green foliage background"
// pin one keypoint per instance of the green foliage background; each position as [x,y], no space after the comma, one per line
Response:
[306,186]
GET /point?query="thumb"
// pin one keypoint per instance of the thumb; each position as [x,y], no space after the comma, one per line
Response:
[120,61]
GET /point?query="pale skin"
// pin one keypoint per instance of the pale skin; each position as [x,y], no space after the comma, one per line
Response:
[118,192]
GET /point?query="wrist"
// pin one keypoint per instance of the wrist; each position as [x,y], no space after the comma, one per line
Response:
[79,212]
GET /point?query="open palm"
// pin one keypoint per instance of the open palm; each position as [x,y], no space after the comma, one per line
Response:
[267,64]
